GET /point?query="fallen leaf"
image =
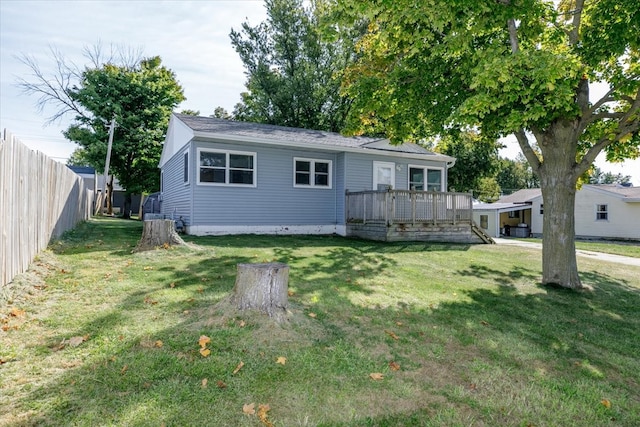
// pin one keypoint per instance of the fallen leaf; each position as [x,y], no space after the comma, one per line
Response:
[290,293]
[16,312]
[240,365]
[473,387]
[242,323]
[172,284]
[281,360]
[205,352]
[262,414]
[606,403]
[312,315]
[392,335]
[124,369]
[399,323]
[484,323]
[249,408]
[204,383]
[148,300]
[148,268]
[221,384]
[204,340]
[394,366]
[158,344]
[76,341]
[376,376]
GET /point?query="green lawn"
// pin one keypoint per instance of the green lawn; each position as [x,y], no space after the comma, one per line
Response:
[616,247]
[463,335]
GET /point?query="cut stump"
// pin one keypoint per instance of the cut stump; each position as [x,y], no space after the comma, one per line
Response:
[158,233]
[264,288]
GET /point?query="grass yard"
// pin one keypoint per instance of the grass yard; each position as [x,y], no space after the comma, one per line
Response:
[615,247]
[408,334]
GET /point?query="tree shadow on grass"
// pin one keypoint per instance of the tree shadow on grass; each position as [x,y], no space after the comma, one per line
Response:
[503,338]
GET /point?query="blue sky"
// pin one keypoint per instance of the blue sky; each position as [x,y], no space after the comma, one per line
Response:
[191,37]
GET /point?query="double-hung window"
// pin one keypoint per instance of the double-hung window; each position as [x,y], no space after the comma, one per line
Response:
[602,213]
[311,173]
[218,167]
[185,167]
[425,179]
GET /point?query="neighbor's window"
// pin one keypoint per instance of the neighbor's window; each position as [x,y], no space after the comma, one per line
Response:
[226,167]
[514,214]
[312,173]
[484,221]
[423,178]
[541,208]
[602,213]
[185,174]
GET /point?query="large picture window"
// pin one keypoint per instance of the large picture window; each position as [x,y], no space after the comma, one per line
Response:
[425,179]
[311,173]
[226,167]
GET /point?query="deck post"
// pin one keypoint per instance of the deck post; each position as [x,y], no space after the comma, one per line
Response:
[364,208]
[412,194]
[435,208]
[453,203]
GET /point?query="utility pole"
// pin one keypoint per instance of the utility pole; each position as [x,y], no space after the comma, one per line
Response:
[112,128]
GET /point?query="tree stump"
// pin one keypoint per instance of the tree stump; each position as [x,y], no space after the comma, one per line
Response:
[158,233]
[262,287]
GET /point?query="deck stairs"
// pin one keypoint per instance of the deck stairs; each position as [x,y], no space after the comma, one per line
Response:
[481,234]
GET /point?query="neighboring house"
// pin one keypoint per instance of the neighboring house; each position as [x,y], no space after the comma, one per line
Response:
[602,211]
[88,175]
[119,194]
[227,177]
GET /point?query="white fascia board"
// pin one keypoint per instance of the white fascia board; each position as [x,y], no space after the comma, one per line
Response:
[178,135]
[323,147]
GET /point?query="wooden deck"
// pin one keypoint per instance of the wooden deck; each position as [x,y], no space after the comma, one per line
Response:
[399,215]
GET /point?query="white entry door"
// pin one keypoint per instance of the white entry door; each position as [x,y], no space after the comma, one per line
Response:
[384,175]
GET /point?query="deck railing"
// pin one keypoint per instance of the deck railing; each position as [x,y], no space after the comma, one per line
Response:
[404,206]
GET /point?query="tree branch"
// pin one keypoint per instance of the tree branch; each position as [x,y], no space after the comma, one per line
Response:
[574,34]
[528,152]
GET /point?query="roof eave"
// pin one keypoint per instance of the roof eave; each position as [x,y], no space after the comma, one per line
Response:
[334,148]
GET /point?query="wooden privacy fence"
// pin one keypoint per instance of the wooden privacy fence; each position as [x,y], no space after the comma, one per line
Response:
[404,206]
[39,200]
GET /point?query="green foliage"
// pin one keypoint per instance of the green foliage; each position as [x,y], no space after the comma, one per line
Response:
[141,99]
[293,71]
[476,158]
[597,176]
[488,190]
[516,174]
[521,67]
[78,158]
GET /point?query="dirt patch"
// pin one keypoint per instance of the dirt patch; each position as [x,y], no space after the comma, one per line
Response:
[31,282]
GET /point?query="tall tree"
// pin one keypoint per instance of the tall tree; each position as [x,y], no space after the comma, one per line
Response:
[598,176]
[515,174]
[476,158]
[521,67]
[140,95]
[293,67]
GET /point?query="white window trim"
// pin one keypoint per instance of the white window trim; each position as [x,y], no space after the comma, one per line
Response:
[312,183]
[186,152]
[424,168]
[606,205]
[390,165]
[228,152]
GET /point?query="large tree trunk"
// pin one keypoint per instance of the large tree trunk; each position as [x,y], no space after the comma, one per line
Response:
[158,233]
[558,179]
[262,287]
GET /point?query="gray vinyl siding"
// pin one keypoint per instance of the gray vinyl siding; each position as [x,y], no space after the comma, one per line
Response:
[274,201]
[359,170]
[340,177]
[176,196]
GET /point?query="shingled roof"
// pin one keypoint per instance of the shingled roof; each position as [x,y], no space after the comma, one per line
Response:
[216,126]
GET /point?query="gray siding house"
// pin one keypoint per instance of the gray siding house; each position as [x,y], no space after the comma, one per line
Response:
[226,177]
